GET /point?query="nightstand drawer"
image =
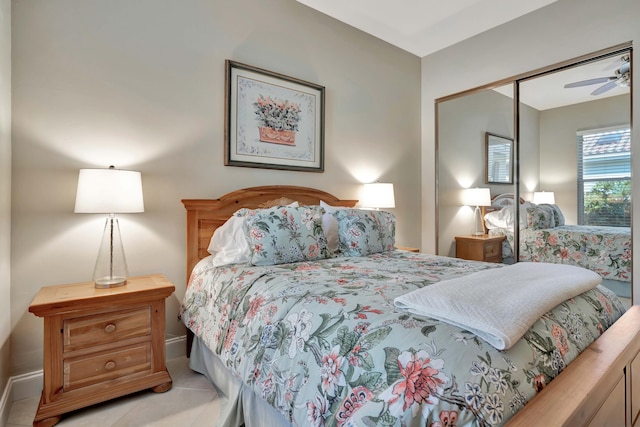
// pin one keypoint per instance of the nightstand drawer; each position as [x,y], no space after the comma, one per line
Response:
[492,249]
[96,368]
[83,332]
[480,248]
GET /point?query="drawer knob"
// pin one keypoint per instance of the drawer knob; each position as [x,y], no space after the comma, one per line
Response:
[110,365]
[110,328]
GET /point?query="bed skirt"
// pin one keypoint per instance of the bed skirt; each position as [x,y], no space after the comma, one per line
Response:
[240,406]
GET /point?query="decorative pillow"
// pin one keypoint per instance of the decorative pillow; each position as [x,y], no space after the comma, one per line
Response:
[557,214]
[330,226]
[539,217]
[362,232]
[229,245]
[283,235]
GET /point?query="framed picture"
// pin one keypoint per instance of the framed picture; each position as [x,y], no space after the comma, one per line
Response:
[499,159]
[273,121]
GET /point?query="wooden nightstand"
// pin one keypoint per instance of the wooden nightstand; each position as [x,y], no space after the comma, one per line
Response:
[480,248]
[101,343]
[408,248]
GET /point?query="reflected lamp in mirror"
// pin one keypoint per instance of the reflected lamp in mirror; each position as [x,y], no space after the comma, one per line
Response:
[477,197]
[378,195]
[109,191]
[499,157]
[544,197]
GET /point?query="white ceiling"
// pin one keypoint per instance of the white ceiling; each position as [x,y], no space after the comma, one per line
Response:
[422,27]
[425,26]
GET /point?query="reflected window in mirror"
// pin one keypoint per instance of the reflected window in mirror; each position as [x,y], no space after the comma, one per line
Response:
[499,156]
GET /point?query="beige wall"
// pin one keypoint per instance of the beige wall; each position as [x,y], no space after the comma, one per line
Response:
[558,147]
[462,123]
[141,85]
[5,190]
[564,29]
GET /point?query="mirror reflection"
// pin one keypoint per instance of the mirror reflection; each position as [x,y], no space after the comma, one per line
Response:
[462,125]
[572,169]
[585,166]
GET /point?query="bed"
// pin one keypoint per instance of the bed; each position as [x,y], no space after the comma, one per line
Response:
[544,237]
[341,353]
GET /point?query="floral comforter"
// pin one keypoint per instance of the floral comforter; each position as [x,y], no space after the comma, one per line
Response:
[605,250]
[322,343]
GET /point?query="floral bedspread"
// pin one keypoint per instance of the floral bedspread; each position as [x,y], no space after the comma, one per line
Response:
[605,250]
[322,343]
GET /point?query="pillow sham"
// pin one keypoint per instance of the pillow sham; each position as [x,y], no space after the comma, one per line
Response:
[557,214]
[363,232]
[282,235]
[540,217]
[229,245]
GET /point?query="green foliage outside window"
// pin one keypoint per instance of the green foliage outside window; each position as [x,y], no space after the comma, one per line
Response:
[608,203]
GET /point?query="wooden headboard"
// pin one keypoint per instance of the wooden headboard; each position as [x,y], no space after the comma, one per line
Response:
[205,215]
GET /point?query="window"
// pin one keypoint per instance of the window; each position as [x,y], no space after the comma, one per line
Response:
[604,177]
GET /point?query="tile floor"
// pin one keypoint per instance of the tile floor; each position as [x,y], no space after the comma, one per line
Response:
[192,401]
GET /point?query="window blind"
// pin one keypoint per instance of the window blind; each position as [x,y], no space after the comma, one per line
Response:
[604,176]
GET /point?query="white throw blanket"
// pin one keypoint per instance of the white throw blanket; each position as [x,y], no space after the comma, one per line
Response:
[500,304]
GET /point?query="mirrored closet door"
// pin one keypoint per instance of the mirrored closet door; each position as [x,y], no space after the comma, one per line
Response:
[569,159]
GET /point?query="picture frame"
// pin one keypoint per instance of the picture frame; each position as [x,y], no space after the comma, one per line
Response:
[498,159]
[272,121]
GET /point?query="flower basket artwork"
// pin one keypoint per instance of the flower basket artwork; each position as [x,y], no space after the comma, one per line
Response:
[273,121]
[277,120]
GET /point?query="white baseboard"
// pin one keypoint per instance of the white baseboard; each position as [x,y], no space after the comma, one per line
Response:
[30,384]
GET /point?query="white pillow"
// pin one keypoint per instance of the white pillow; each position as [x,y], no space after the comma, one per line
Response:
[330,226]
[504,217]
[229,245]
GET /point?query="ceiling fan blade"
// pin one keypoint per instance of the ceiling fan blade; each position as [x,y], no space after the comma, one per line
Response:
[624,59]
[589,82]
[604,88]
[614,64]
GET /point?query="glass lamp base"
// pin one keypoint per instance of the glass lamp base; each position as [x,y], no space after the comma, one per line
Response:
[110,282]
[111,266]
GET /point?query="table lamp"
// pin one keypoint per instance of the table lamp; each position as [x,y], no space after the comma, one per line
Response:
[544,197]
[109,191]
[378,195]
[477,197]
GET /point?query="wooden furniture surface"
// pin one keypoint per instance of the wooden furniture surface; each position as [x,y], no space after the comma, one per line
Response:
[480,248]
[574,398]
[408,248]
[101,343]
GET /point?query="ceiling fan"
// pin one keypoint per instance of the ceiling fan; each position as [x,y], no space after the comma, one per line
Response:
[622,77]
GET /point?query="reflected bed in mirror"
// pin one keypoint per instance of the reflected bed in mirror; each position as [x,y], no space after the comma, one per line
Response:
[499,159]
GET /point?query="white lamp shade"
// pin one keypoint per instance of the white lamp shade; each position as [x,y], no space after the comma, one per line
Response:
[477,197]
[544,197]
[378,195]
[109,191]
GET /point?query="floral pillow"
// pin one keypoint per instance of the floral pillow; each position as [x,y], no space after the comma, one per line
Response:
[540,217]
[363,232]
[557,214]
[282,235]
